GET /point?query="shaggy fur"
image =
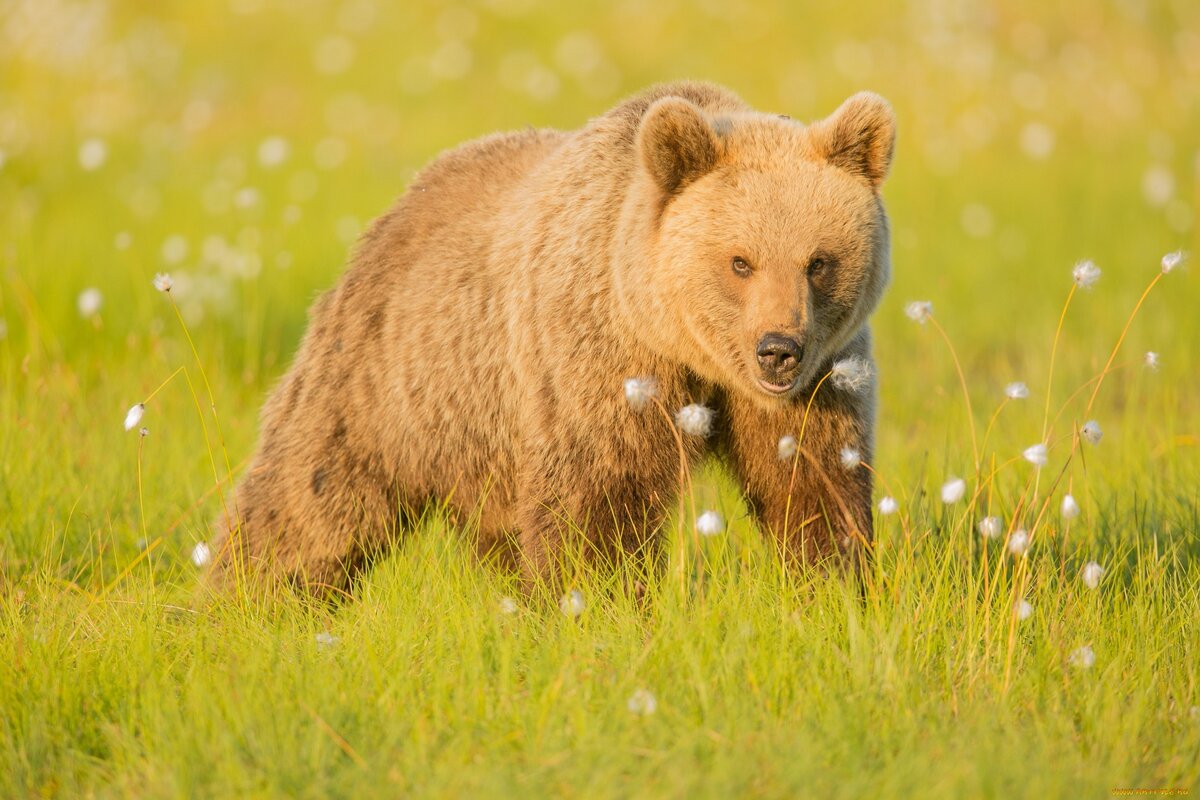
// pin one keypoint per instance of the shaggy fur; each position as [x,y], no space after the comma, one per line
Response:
[473,354]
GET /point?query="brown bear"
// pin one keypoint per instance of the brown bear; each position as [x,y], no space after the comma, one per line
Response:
[475,354]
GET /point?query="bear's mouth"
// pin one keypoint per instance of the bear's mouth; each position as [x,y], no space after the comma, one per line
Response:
[776,388]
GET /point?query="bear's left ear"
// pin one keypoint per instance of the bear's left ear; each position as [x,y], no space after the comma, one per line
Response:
[677,143]
[858,137]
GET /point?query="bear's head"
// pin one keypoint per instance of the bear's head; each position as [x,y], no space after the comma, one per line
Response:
[759,244]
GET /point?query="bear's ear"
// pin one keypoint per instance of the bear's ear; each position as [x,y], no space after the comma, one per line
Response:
[858,137]
[676,142]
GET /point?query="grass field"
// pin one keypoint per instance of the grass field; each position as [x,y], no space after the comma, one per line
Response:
[242,145]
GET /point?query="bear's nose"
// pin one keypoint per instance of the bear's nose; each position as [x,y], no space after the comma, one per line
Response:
[778,353]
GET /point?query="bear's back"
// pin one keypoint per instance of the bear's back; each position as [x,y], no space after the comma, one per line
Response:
[459,302]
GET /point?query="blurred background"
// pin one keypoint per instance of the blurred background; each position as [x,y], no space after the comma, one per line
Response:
[242,145]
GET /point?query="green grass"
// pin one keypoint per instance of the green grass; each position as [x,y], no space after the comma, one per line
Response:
[116,680]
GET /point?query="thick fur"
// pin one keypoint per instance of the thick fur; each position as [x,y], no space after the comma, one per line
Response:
[474,352]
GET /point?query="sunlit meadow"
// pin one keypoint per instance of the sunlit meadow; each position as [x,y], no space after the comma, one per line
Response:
[1029,625]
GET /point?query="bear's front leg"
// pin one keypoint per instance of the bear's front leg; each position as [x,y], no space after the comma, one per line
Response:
[589,500]
[812,492]
[571,522]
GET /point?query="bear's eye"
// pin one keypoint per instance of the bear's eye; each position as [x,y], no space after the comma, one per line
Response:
[816,266]
[741,267]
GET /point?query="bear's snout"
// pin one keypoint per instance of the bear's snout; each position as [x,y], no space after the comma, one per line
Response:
[779,358]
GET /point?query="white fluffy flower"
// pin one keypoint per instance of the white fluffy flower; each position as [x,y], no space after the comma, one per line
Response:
[1091,432]
[642,703]
[640,391]
[507,605]
[1018,543]
[1069,508]
[134,415]
[572,603]
[1091,574]
[326,639]
[163,282]
[1024,609]
[695,420]
[991,527]
[1085,274]
[919,311]
[888,505]
[710,523]
[273,151]
[1082,657]
[1152,361]
[851,374]
[787,447]
[93,153]
[89,302]
[1172,260]
[201,554]
[850,458]
[1017,390]
[953,490]
[1036,455]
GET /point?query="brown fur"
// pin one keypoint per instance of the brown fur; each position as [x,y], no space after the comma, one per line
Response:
[473,354]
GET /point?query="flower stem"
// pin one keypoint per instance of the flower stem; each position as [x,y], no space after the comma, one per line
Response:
[1121,340]
[962,380]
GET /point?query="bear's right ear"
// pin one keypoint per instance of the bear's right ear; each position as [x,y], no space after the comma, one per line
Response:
[677,144]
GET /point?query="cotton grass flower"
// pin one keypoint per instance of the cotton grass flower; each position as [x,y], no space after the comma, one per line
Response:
[1091,574]
[1085,274]
[89,301]
[851,374]
[1069,508]
[92,154]
[850,458]
[163,282]
[919,311]
[201,554]
[1036,455]
[507,606]
[1018,543]
[953,490]
[1151,360]
[642,703]
[710,523]
[1091,432]
[273,151]
[787,447]
[888,506]
[144,432]
[1172,260]
[990,527]
[1024,609]
[1016,390]
[640,391]
[325,639]
[572,603]
[134,415]
[695,420]
[1082,657]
